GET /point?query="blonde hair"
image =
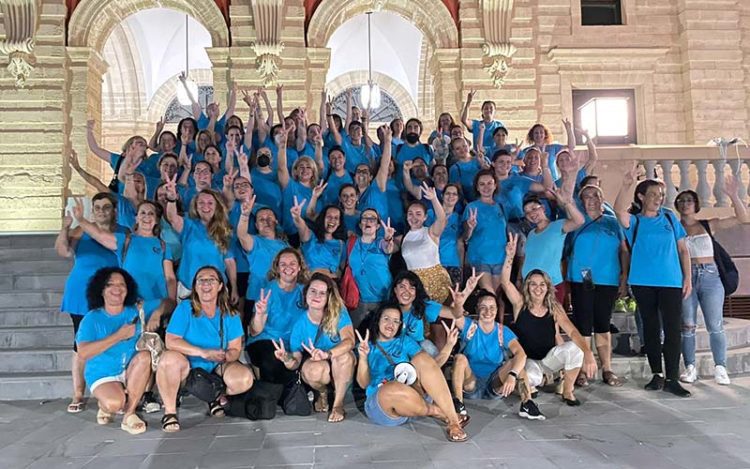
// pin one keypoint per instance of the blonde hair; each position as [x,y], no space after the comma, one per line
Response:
[549,301]
[130,141]
[219,229]
[334,303]
[273,273]
[316,173]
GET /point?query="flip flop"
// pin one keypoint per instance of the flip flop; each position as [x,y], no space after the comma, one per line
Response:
[337,410]
[76,407]
[103,418]
[133,425]
[321,402]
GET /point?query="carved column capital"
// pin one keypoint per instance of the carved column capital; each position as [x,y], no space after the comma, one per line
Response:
[496,22]
[20,18]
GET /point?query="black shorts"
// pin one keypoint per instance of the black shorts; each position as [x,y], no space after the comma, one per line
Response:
[592,308]
[76,318]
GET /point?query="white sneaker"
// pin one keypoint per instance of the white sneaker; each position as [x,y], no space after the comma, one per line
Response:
[690,375]
[720,375]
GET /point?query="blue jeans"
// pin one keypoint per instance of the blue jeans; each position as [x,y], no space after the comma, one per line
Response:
[709,293]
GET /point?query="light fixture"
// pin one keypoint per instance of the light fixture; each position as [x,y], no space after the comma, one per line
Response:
[605,117]
[370,93]
[190,87]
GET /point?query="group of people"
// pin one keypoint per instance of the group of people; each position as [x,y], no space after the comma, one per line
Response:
[345,262]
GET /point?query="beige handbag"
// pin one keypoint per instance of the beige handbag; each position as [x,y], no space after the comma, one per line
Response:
[149,341]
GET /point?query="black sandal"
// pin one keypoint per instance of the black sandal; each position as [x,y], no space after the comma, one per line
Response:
[215,409]
[170,423]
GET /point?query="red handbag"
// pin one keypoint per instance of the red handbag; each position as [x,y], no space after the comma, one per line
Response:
[349,289]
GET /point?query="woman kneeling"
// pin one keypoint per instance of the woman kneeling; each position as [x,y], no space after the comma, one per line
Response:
[206,333]
[106,341]
[392,400]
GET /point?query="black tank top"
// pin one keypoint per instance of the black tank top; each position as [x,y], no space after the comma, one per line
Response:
[535,334]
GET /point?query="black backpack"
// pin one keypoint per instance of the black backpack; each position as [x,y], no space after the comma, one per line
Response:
[730,276]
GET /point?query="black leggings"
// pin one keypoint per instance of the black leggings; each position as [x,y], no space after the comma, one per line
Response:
[592,308]
[668,301]
[271,369]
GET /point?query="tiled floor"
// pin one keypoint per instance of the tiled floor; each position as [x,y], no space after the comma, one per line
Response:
[624,427]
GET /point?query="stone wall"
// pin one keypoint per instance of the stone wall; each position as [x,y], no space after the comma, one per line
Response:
[687,60]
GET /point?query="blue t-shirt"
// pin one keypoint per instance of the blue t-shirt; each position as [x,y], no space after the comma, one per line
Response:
[356,155]
[484,350]
[487,242]
[464,172]
[302,192]
[99,324]
[551,150]
[144,260]
[259,260]
[204,332]
[125,212]
[400,349]
[331,193]
[284,309]
[395,204]
[489,129]
[544,251]
[657,240]
[327,255]
[414,327]
[304,331]
[449,239]
[203,121]
[369,264]
[199,250]
[267,190]
[512,191]
[596,246]
[405,152]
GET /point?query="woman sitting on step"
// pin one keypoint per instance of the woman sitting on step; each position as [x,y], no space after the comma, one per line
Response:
[117,374]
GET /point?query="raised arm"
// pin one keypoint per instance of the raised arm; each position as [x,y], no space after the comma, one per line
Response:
[731,189]
[105,238]
[381,178]
[322,111]
[348,119]
[334,130]
[196,108]
[569,132]
[252,104]
[588,168]
[269,108]
[173,217]
[452,333]
[246,239]
[622,201]
[282,171]
[232,101]
[437,227]
[94,146]
[574,216]
[300,130]
[65,243]
[465,110]
[415,191]
[302,228]
[280,103]
[88,177]
[153,143]
[514,296]
[258,322]
[317,192]
[363,366]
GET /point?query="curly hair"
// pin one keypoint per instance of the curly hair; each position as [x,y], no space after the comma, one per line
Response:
[219,229]
[547,134]
[319,225]
[419,304]
[304,273]
[334,303]
[222,301]
[316,173]
[374,320]
[98,282]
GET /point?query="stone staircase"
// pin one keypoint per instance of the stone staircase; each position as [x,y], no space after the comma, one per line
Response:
[36,339]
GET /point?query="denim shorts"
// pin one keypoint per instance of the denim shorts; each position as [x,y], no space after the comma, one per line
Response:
[483,388]
[377,415]
[492,269]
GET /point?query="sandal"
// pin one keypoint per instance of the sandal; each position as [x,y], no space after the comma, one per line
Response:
[582,381]
[170,423]
[76,406]
[103,418]
[133,424]
[463,420]
[611,379]
[216,408]
[455,433]
[338,414]
[321,402]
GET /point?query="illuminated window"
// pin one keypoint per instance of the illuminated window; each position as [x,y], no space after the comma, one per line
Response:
[608,115]
[601,12]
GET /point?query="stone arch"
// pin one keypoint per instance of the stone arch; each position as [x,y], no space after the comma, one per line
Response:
[359,77]
[166,92]
[93,20]
[431,17]
[123,94]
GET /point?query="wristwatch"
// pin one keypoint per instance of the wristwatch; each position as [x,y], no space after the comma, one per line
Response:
[513,374]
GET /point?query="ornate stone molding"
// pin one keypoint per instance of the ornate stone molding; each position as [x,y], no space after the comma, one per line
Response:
[267,17]
[20,19]
[496,21]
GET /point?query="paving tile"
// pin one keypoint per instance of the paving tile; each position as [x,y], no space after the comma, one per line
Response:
[236,443]
[287,456]
[115,462]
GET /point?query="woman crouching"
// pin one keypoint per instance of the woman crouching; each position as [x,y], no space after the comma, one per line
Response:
[106,341]
[206,333]
[392,400]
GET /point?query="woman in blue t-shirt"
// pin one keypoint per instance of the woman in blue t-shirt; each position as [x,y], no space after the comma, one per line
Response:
[655,234]
[598,261]
[117,374]
[321,345]
[277,310]
[480,371]
[324,244]
[304,176]
[539,136]
[464,170]
[391,400]
[204,332]
[451,242]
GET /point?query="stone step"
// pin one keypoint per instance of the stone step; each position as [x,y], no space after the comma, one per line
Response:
[27,240]
[39,385]
[35,359]
[39,281]
[30,298]
[39,252]
[33,267]
[21,317]
[35,336]
[738,362]
[736,330]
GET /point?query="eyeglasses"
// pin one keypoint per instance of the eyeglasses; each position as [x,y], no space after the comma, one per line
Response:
[362,171]
[370,219]
[242,185]
[207,281]
[103,208]
[388,320]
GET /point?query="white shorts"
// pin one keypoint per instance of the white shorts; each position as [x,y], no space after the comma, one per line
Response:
[565,356]
[108,379]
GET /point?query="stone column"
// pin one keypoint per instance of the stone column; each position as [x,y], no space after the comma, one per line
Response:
[445,67]
[318,60]
[84,100]
[219,57]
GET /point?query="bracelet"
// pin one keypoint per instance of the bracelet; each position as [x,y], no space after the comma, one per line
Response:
[387,240]
[171,200]
[513,374]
